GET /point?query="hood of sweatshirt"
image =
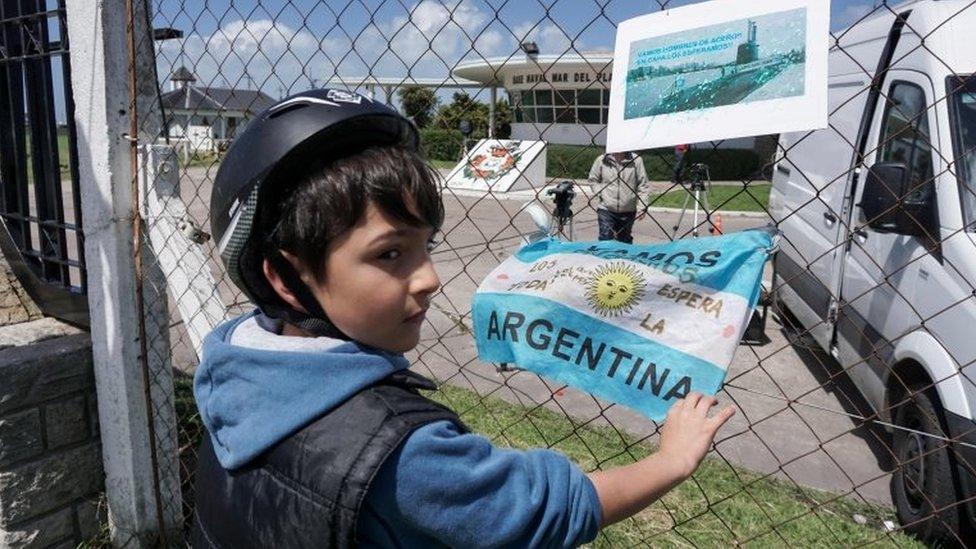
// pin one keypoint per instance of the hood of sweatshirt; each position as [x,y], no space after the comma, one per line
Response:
[627,160]
[251,397]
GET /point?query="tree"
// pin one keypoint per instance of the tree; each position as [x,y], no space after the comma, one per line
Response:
[503,119]
[465,107]
[418,104]
[462,107]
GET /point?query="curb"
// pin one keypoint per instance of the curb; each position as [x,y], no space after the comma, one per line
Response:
[725,213]
[528,196]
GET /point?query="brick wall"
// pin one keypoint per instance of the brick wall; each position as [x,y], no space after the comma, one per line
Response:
[50,459]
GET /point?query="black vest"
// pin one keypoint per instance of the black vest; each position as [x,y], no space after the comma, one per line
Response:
[308,489]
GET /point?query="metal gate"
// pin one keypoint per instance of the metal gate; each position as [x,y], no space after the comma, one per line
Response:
[40,204]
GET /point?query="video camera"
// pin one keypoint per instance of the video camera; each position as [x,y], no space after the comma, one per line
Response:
[700,175]
[563,195]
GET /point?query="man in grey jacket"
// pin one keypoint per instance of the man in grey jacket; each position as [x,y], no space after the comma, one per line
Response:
[621,183]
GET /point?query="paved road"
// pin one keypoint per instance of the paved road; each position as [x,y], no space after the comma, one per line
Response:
[791,418]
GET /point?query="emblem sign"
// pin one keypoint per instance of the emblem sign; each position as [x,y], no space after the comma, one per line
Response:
[499,161]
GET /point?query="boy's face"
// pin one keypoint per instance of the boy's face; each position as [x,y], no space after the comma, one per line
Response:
[378,281]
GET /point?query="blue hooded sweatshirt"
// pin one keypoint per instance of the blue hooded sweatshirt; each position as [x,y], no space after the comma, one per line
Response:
[441,487]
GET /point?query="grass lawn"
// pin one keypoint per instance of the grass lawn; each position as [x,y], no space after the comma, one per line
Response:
[443,164]
[203,159]
[63,155]
[744,508]
[733,198]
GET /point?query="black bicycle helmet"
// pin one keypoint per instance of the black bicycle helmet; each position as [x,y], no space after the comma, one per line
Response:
[319,126]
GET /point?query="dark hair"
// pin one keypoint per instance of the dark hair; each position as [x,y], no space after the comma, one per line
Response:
[330,198]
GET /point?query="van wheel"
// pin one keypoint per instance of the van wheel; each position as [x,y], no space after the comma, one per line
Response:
[923,486]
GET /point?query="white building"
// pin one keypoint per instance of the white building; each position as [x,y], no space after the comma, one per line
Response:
[203,117]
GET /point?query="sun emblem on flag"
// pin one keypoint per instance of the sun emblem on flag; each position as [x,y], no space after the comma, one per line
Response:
[614,288]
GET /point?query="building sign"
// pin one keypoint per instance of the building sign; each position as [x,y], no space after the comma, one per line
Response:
[560,77]
[719,70]
[638,325]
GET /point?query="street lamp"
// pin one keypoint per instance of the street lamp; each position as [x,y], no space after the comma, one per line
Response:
[466,128]
[530,48]
[167,33]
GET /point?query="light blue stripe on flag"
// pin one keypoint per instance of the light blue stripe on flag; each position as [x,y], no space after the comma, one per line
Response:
[725,263]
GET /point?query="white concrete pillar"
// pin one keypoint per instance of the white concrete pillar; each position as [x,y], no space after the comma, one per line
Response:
[143,489]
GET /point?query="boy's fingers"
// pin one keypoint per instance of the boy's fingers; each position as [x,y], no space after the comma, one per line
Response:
[691,401]
[722,416]
[706,403]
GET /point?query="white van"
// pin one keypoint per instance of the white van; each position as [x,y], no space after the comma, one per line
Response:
[885,281]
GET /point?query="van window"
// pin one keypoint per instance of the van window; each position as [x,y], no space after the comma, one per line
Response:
[905,137]
[962,113]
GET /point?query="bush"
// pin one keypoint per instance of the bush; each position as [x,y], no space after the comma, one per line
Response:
[574,162]
[439,144]
[725,164]
[571,161]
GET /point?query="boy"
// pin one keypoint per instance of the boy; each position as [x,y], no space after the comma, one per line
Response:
[318,437]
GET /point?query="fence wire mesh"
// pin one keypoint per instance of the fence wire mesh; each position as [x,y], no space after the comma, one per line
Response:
[868,444]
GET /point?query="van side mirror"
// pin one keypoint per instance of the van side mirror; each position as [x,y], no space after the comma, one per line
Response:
[892,205]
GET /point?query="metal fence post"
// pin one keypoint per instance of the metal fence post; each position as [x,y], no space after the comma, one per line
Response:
[142,485]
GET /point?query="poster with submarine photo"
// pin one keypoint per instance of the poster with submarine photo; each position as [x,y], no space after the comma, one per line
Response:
[719,70]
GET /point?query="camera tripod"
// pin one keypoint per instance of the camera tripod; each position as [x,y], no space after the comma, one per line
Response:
[701,184]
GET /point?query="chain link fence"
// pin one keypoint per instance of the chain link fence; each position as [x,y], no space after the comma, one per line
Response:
[854,424]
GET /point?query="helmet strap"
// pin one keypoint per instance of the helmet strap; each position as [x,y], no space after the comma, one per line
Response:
[315,321]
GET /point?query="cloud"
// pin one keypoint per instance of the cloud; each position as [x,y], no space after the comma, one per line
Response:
[435,36]
[426,40]
[550,38]
[254,35]
[261,53]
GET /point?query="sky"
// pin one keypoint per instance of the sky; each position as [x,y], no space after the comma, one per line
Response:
[285,47]
[282,47]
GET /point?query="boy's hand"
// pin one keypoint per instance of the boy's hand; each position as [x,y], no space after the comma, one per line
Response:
[685,438]
[688,431]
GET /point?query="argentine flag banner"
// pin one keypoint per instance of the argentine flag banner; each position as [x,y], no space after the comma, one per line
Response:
[638,325]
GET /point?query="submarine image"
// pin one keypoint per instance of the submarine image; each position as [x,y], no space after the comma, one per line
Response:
[731,83]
